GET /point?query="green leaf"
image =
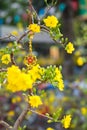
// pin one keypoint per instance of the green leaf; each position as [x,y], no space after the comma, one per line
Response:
[57,114]
[60,68]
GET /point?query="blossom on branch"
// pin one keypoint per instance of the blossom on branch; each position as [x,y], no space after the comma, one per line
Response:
[18,80]
[69,48]
[35,101]
[35,28]
[66,121]
[51,21]
[6,59]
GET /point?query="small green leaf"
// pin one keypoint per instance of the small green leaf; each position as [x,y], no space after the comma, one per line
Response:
[60,68]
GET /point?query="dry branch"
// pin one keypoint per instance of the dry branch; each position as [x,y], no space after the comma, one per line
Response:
[6,125]
[21,117]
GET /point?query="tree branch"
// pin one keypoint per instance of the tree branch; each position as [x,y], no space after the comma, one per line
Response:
[21,117]
[48,8]
[32,9]
[45,116]
[22,36]
[6,125]
[45,29]
[6,37]
[12,58]
[3,70]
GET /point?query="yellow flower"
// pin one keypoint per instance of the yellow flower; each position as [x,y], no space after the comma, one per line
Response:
[84,110]
[15,33]
[58,78]
[35,72]
[35,101]
[80,61]
[17,80]
[6,58]
[49,128]
[11,113]
[16,99]
[69,48]
[61,85]
[51,21]
[34,27]
[66,121]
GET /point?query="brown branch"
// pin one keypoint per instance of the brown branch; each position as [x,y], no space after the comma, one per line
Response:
[21,117]
[22,36]
[12,58]
[6,125]
[45,28]
[3,70]
[19,39]
[45,116]
[48,8]
[32,9]
[6,37]
[1,38]
[57,42]
[18,121]
[10,35]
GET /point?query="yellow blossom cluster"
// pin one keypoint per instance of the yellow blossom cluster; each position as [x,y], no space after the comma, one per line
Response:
[35,101]
[35,28]
[35,72]
[66,121]
[18,80]
[51,21]
[6,59]
[58,78]
[69,48]
[21,81]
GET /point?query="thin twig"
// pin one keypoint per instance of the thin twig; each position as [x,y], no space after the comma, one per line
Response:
[44,27]
[1,38]
[57,42]
[12,58]
[49,7]
[32,9]
[6,125]
[22,36]
[45,116]
[3,70]
[6,37]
